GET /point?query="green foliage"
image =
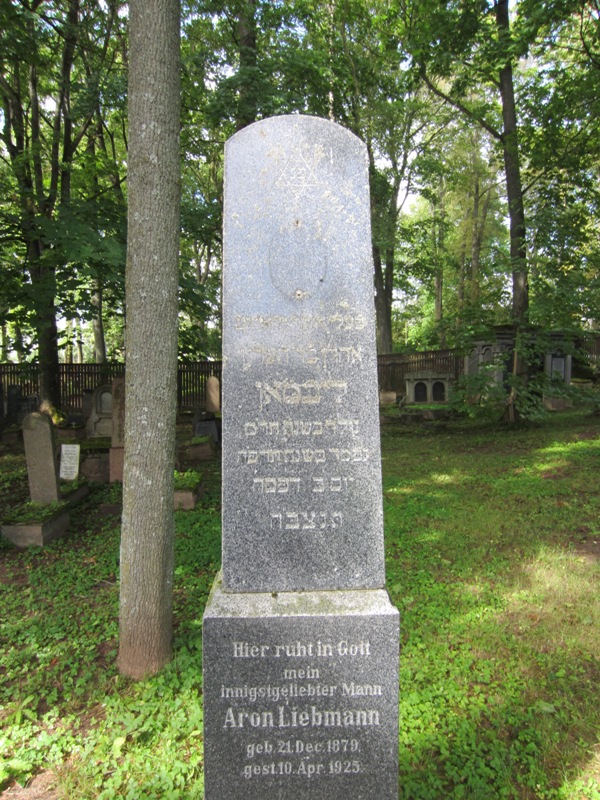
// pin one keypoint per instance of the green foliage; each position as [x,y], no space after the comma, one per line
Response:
[187,480]
[480,396]
[62,704]
[34,512]
[364,65]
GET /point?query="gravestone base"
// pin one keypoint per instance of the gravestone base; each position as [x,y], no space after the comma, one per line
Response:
[25,534]
[301,695]
[186,499]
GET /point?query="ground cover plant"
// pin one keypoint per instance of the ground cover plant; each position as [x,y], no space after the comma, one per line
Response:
[492,550]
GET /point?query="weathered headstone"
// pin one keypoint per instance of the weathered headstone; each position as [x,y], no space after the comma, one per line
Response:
[205,425]
[300,639]
[213,395]
[117,442]
[69,461]
[301,457]
[40,455]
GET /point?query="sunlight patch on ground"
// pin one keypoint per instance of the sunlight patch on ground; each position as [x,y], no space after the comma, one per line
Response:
[446,478]
[559,594]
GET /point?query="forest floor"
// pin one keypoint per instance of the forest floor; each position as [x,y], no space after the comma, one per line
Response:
[492,556]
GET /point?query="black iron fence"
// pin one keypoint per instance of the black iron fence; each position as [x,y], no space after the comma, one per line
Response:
[191,380]
[75,379]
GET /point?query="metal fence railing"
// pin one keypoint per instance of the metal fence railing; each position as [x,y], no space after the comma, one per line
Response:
[75,379]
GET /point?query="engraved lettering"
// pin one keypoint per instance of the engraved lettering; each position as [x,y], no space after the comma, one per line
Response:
[247,650]
[362,689]
[291,521]
[307,393]
[308,520]
[289,428]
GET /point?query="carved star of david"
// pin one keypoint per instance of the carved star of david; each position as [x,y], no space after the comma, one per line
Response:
[297,176]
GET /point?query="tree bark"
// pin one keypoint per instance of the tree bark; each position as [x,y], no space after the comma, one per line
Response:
[145,644]
[248,84]
[514,191]
[383,302]
[98,325]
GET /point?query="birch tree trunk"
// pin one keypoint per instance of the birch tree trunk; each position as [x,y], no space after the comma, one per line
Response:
[145,644]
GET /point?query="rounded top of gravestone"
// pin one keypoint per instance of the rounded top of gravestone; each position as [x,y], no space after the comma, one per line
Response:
[293,122]
[36,420]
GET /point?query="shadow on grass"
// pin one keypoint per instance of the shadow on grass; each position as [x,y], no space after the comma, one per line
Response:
[500,614]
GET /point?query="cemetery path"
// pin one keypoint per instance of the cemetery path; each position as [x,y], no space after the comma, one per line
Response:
[41,787]
[590,551]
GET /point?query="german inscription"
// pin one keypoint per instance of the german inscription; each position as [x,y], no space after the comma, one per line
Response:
[307,705]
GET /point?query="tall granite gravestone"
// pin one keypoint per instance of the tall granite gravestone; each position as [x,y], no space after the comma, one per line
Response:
[300,639]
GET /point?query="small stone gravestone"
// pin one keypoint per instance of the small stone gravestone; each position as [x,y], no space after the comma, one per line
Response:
[213,395]
[42,472]
[40,455]
[205,425]
[300,640]
[69,461]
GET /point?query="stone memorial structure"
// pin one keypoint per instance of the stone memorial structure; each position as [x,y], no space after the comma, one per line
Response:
[300,640]
[70,455]
[99,422]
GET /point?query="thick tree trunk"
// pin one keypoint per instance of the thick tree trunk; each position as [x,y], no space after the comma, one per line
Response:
[516,213]
[98,326]
[44,283]
[146,597]
[383,304]
[516,210]
[248,78]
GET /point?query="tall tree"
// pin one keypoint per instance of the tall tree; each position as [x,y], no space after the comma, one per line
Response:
[145,644]
[55,57]
[476,54]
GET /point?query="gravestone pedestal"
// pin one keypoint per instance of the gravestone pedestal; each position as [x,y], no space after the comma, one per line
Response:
[300,640]
[301,690]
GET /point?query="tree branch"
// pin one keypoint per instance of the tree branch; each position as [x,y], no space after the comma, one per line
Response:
[458,105]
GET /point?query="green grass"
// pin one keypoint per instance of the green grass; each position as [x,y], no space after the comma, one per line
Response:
[487,539]
[490,559]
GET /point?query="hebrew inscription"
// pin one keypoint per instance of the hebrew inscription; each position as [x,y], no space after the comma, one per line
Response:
[301,456]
